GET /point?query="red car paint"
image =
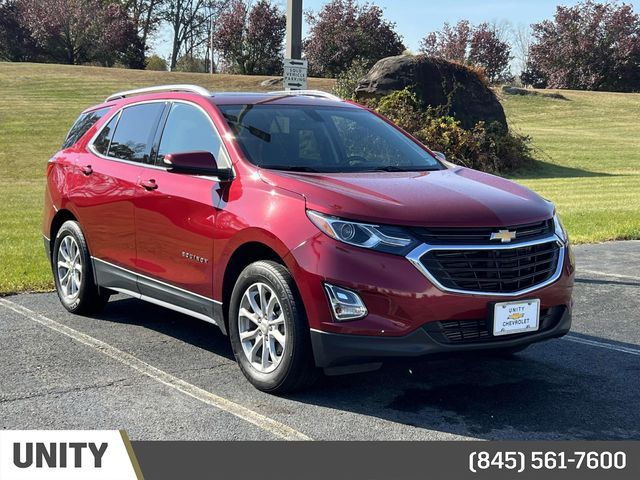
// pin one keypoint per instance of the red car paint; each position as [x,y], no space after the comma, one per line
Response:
[147,230]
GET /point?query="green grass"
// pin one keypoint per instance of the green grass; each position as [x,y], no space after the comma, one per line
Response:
[38,104]
[589,144]
[589,152]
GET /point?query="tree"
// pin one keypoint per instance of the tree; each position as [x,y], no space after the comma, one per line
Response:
[590,46]
[522,45]
[146,16]
[487,50]
[482,45]
[249,39]
[77,31]
[343,31]
[188,21]
[16,43]
[450,43]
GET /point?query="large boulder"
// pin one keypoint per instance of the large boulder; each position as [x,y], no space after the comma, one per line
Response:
[435,80]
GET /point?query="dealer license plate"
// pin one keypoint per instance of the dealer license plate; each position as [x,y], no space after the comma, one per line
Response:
[516,317]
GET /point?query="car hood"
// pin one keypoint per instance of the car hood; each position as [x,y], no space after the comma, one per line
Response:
[455,197]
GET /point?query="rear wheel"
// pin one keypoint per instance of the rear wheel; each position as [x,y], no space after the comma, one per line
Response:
[73,272]
[269,331]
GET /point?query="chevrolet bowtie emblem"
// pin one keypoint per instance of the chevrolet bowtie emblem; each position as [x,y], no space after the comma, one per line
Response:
[505,236]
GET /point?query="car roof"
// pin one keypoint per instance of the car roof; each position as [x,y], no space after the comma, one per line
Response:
[295,97]
[282,98]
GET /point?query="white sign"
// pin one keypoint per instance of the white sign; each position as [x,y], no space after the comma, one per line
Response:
[295,74]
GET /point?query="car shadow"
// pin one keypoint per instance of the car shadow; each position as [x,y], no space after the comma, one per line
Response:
[195,332]
[553,390]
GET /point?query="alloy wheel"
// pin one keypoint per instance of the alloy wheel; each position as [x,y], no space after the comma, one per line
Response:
[69,268]
[262,328]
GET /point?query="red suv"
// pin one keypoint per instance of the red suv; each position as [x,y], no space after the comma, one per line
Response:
[312,231]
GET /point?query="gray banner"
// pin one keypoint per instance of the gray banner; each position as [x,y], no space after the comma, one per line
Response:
[389,460]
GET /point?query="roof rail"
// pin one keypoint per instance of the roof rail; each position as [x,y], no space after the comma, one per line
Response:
[308,93]
[160,88]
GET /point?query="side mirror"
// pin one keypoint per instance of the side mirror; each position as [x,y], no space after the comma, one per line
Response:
[440,156]
[196,163]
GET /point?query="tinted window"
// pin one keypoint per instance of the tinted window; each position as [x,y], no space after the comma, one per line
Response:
[82,125]
[188,129]
[326,139]
[102,141]
[134,132]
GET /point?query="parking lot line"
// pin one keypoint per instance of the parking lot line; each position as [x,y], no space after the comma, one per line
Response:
[608,346]
[265,423]
[613,275]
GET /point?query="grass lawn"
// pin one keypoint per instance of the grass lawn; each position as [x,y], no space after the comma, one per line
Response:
[589,152]
[590,145]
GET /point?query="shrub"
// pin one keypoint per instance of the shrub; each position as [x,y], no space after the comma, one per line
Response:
[155,62]
[484,147]
[189,63]
[347,81]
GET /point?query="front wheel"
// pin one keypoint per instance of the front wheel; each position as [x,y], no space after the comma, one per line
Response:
[269,331]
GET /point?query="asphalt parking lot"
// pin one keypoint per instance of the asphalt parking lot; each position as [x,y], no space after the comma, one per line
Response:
[163,376]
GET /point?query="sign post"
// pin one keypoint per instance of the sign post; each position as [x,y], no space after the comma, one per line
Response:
[295,74]
[294,29]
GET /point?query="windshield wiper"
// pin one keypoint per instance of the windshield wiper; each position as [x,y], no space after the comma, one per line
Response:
[256,132]
[394,168]
[291,168]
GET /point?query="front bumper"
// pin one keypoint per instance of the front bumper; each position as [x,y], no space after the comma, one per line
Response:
[340,353]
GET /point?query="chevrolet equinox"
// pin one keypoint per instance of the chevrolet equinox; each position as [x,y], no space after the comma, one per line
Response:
[312,231]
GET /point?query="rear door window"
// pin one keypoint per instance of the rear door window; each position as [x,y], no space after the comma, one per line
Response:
[134,132]
[84,122]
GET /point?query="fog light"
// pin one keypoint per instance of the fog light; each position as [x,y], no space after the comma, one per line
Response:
[345,304]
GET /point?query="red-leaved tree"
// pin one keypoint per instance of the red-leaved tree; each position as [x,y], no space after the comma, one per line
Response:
[343,31]
[450,43]
[78,31]
[488,51]
[590,46]
[249,39]
[463,43]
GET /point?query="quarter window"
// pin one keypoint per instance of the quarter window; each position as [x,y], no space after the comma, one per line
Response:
[188,129]
[134,132]
[101,143]
[82,125]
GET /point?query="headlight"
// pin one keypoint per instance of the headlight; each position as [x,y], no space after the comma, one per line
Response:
[383,238]
[559,229]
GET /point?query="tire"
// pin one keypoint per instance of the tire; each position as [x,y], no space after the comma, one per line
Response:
[78,293]
[288,367]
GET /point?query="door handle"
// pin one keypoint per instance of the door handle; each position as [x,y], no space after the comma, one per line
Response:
[149,184]
[87,170]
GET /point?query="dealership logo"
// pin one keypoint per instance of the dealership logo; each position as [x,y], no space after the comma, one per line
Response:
[505,236]
[58,454]
[67,454]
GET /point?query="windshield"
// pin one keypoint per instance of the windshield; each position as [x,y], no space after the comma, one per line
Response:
[323,139]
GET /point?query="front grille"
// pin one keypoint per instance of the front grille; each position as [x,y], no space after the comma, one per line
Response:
[478,331]
[481,235]
[457,331]
[496,270]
